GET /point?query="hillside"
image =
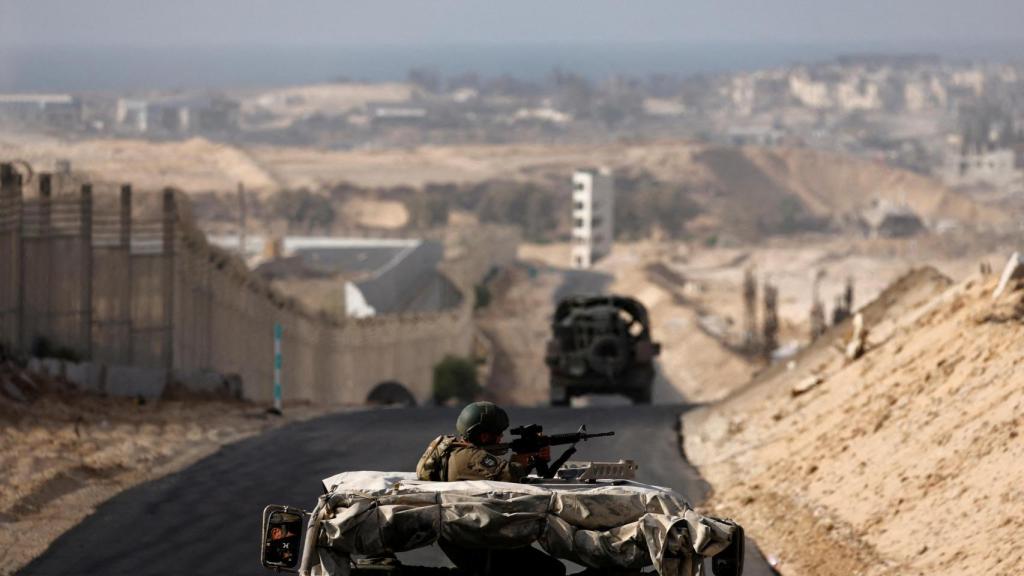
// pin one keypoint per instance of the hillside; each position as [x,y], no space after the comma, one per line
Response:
[689,190]
[830,184]
[696,189]
[905,461]
[685,190]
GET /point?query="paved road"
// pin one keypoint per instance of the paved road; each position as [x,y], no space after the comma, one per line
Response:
[206,519]
[581,283]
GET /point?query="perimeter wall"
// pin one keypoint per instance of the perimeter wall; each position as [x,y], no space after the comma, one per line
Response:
[82,274]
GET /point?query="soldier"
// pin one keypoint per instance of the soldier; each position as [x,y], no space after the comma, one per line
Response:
[482,424]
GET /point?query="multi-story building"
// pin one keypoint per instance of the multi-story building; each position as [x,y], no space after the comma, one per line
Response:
[997,168]
[53,110]
[180,116]
[593,206]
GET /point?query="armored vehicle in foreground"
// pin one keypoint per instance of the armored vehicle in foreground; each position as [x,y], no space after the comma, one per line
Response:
[592,514]
[601,345]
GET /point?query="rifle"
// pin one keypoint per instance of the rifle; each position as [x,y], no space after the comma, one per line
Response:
[530,439]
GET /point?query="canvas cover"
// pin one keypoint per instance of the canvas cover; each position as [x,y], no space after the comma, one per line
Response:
[626,525]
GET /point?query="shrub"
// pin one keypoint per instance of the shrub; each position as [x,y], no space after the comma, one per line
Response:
[455,378]
[482,296]
[42,347]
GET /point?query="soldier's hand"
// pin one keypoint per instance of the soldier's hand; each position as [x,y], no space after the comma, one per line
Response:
[544,454]
[522,459]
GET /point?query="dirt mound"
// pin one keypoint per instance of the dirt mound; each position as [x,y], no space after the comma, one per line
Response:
[369,213]
[193,165]
[906,461]
[748,202]
[841,186]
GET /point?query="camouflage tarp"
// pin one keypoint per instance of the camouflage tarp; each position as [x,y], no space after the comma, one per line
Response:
[630,525]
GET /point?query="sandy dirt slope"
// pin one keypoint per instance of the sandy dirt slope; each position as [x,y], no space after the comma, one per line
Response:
[697,365]
[715,275]
[740,189]
[294,103]
[195,165]
[63,453]
[827,184]
[830,183]
[905,461]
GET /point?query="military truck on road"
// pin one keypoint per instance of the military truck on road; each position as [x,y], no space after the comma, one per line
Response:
[601,345]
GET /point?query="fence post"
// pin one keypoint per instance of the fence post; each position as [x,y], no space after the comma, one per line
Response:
[85,299]
[19,253]
[10,195]
[126,245]
[170,216]
[46,239]
[277,368]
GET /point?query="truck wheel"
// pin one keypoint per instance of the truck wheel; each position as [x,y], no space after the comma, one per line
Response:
[642,397]
[560,397]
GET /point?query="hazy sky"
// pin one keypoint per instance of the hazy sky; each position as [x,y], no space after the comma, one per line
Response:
[892,23]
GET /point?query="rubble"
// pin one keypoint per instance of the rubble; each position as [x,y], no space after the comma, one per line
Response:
[858,340]
[806,385]
[1013,270]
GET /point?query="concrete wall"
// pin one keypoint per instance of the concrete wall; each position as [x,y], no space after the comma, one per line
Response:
[155,295]
[224,316]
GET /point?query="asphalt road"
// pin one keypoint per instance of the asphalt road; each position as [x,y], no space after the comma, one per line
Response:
[206,519]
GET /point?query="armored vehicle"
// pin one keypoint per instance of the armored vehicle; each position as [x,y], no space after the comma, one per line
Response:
[601,345]
[593,515]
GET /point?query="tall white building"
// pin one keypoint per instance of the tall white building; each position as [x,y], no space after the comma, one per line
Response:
[593,207]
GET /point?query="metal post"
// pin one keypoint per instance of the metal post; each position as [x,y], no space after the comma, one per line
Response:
[126,245]
[45,202]
[85,299]
[19,235]
[46,239]
[10,187]
[170,216]
[277,368]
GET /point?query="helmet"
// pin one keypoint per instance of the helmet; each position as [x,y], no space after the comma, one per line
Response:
[481,417]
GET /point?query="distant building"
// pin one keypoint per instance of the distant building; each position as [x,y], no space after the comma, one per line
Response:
[132,115]
[369,276]
[542,114]
[178,115]
[593,207]
[396,113]
[997,168]
[55,110]
[755,136]
[808,92]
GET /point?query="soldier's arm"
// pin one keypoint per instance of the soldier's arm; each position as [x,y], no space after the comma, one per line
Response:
[486,466]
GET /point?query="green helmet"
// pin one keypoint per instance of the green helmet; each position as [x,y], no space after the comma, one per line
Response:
[481,417]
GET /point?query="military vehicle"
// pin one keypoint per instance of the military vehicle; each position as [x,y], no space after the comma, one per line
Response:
[594,515]
[601,345]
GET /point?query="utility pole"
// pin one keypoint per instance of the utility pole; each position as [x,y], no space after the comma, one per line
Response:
[749,309]
[771,319]
[817,319]
[277,409]
[85,298]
